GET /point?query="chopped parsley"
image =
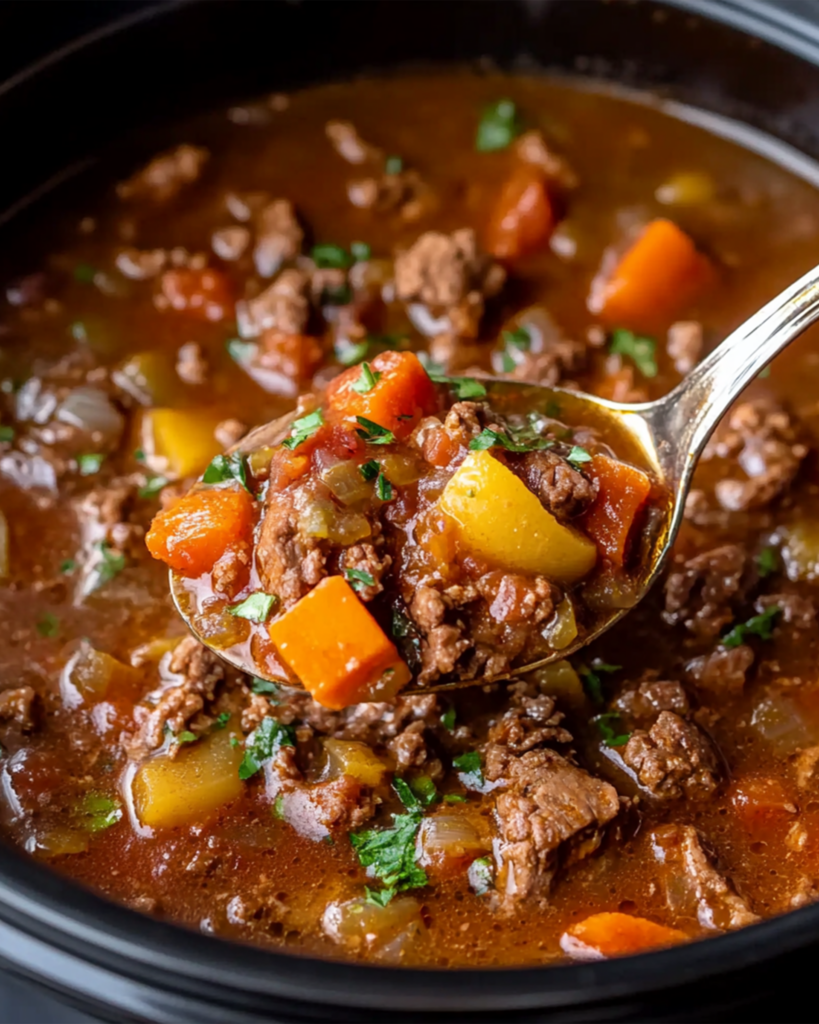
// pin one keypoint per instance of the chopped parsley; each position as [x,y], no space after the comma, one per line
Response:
[68,566]
[393,165]
[767,562]
[577,456]
[423,788]
[383,488]
[186,736]
[373,433]
[48,625]
[464,387]
[278,807]
[303,429]
[470,769]
[152,486]
[222,720]
[139,455]
[328,256]
[481,875]
[336,295]
[455,798]
[367,381]
[225,468]
[255,608]
[640,349]
[98,811]
[110,565]
[761,625]
[90,464]
[263,744]
[515,342]
[389,854]
[7,433]
[359,579]
[608,725]
[498,126]
[264,687]
[592,683]
[348,353]
[401,625]
[489,438]
[378,897]
[240,352]
[448,719]
[84,273]
[360,251]
[369,470]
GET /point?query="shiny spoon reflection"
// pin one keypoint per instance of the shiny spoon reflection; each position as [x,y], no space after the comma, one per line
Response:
[666,437]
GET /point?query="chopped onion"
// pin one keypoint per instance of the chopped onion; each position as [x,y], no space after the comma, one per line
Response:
[386,932]
[779,719]
[561,629]
[91,410]
[449,836]
[346,482]
[350,757]
[29,471]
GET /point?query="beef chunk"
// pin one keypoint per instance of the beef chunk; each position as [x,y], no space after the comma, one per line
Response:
[231,571]
[562,490]
[165,175]
[278,237]
[447,273]
[651,697]
[529,722]
[684,344]
[289,561]
[797,611]
[761,437]
[316,809]
[282,306]
[723,671]
[365,558]
[513,599]
[694,887]
[465,420]
[17,706]
[702,593]
[673,758]
[549,813]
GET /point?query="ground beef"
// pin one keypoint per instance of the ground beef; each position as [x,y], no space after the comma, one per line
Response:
[694,887]
[722,672]
[562,490]
[761,437]
[797,611]
[282,306]
[279,237]
[549,813]
[108,511]
[673,758]
[231,571]
[318,808]
[512,599]
[530,722]
[289,562]
[466,420]
[405,193]
[684,345]
[17,706]
[449,275]
[164,176]
[365,558]
[410,748]
[703,593]
[191,364]
[645,701]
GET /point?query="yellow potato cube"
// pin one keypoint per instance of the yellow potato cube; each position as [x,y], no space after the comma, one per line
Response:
[180,441]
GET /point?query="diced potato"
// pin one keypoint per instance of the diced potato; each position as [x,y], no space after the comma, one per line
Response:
[199,780]
[501,521]
[178,441]
[96,676]
[5,564]
[561,630]
[154,650]
[150,378]
[800,549]
[349,757]
[560,680]
[686,188]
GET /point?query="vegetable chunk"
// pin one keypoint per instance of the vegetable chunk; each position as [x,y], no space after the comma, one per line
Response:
[622,493]
[184,439]
[501,521]
[605,935]
[194,533]
[337,649]
[657,276]
[522,219]
[200,779]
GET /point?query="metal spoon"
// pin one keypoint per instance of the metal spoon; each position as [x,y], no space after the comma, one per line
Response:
[666,436]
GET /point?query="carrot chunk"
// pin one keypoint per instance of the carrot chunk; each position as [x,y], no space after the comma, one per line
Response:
[656,277]
[396,395]
[337,649]
[613,934]
[622,492]
[522,219]
[194,533]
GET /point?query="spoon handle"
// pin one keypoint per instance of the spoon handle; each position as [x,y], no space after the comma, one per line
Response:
[684,419]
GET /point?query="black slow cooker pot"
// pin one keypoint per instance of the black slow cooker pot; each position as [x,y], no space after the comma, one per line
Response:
[752,60]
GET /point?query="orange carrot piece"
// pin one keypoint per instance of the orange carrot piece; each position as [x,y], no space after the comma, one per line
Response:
[622,492]
[613,934]
[656,277]
[194,533]
[337,649]
[402,394]
[522,219]
[761,802]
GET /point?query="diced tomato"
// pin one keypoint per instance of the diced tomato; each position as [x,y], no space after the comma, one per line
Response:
[523,219]
[205,294]
[622,493]
[287,466]
[397,399]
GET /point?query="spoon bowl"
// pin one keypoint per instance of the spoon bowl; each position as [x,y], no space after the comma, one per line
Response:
[665,437]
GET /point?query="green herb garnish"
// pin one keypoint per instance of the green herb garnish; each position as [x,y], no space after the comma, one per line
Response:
[393,165]
[448,719]
[68,566]
[304,428]
[369,470]
[767,562]
[378,897]
[264,743]
[48,625]
[278,808]
[225,468]
[7,433]
[328,256]
[373,433]
[642,350]
[186,736]
[577,456]
[761,625]
[98,811]
[84,273]
[424,789]
[592,682]
[359,579]
[464,387]
[110,565]
[348,353]
[222,720]
[336,295]
[264,687]
[455,798]
[383,488]
[360,251]
[481,875]
[469,769]
[489,438]
[367,381]
[255,608]
[514,342]
[90,464]
[612,737]
[498,126]
[152,486]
